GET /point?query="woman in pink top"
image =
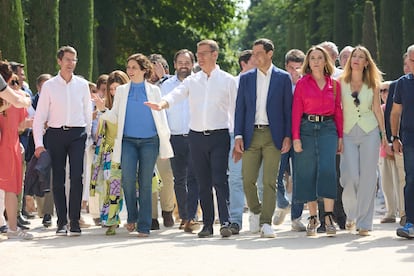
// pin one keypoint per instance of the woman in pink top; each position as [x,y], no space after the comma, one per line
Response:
[317,124]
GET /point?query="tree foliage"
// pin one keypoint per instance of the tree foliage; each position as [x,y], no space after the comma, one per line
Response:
[391,39]
[369,30]
[41,45]
[163,26]
[76,29]
[12,42]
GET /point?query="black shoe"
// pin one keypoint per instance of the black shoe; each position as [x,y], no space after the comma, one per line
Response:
[62,230]
[21,226]
[3,229]
[321,228]
[47,220]
[206,232]
[22,220]
[168,218]
[75,229]
[225,230]
[27,215]
[234,228]
[155,225]
[341,222]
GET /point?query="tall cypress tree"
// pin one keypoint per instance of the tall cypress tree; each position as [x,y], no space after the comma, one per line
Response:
[76,19]
[107,18]
[369,30]
[408,23]
[342,34]
[42,34]
[12,32]
[391,38]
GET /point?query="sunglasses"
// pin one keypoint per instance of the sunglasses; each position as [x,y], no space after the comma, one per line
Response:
[384,90]
[14,82]
[355,96]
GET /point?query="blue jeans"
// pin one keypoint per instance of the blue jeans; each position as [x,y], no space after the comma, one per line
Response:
[408,152]
[237,201]
[141,154]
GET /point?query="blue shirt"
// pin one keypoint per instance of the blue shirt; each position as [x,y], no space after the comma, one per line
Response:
[404,95]
[139,122]
[178,115]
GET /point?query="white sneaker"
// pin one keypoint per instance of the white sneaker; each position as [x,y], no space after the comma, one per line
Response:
[19,234]
[280,215]
[254,223]
[267,231]
[298,226]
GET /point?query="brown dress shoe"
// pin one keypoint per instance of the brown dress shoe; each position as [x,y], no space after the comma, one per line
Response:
[168,219]
[387,220]
[182,224]
[191,226]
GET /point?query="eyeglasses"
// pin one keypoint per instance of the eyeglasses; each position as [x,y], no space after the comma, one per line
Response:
[384,90]
[203,54]
[65,59]
[14,82]
[355,96]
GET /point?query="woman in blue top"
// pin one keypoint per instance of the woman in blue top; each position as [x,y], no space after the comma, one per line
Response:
[142,134]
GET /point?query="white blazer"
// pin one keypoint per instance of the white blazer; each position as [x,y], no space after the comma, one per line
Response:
[118,112]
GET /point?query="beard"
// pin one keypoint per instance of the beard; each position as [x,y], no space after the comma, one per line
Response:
[183,73]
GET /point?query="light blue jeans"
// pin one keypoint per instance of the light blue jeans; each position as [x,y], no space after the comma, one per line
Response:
[237,200]
[137,163]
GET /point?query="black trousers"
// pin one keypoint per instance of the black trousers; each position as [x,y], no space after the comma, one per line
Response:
[185,184]
[209,151]
[63,143]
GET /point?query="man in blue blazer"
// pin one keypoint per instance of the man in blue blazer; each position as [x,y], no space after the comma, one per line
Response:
[262,131]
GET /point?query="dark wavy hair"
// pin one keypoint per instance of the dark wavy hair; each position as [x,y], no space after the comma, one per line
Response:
[144,64]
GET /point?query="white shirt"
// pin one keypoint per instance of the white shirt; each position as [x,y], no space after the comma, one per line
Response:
[262,84]
[178,115]
[211,99]
[62,104]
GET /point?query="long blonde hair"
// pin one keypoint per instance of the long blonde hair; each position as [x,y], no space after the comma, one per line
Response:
[372,76]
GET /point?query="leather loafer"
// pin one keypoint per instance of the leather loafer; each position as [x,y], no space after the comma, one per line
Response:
[206,232]
[387,220]
[191,226]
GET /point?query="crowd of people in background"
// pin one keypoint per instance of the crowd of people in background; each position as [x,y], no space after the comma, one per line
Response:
[207,146]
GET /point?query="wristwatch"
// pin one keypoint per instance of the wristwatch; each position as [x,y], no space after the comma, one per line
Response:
[393,138]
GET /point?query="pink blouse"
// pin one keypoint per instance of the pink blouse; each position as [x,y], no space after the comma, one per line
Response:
[310,99]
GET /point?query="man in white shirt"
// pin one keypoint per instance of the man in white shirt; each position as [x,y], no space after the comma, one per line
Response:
[65,105]
[211,94]
[185,185]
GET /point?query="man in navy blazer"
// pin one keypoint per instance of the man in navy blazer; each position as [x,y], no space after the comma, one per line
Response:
[262,131]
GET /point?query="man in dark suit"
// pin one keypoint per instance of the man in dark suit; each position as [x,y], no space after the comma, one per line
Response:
[262,131]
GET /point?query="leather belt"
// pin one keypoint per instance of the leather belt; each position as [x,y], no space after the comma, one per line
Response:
[212,131]
[65,128]
[261,126]
[317,118]
[180,135]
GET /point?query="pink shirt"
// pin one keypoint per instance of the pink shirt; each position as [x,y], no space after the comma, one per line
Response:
[310,99]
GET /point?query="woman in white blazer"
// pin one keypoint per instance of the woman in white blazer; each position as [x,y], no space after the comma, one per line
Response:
[142,135]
